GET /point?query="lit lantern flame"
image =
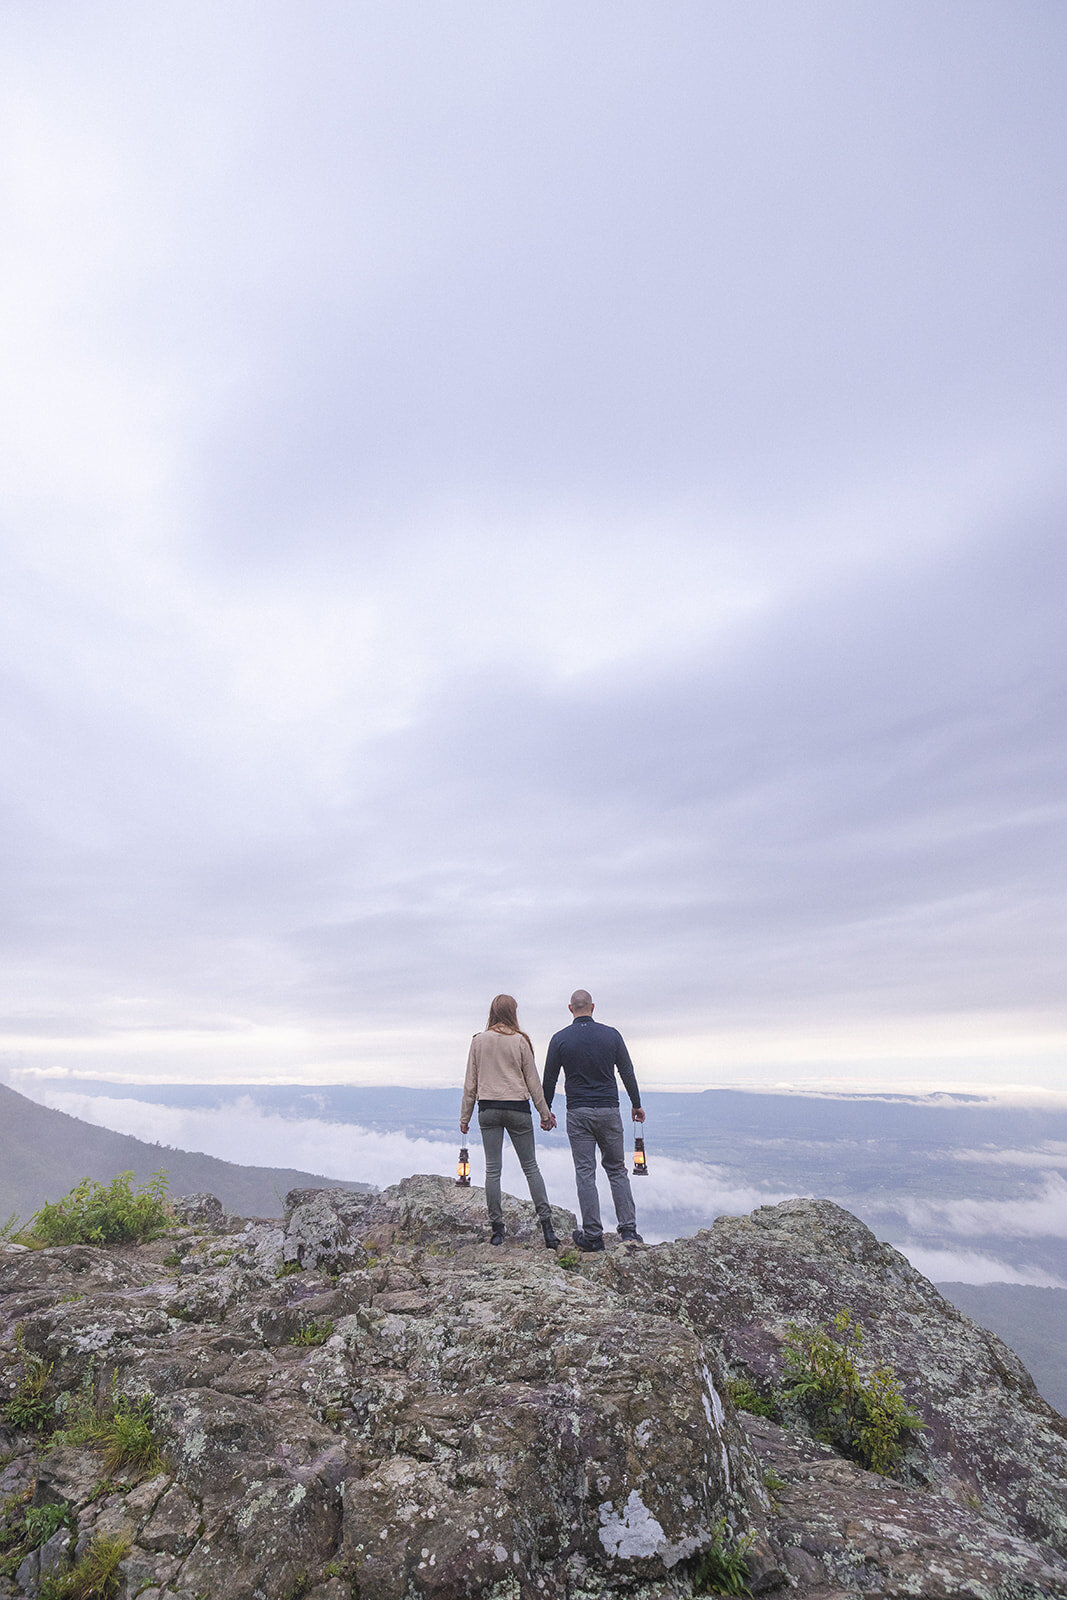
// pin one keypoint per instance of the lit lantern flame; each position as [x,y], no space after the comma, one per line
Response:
[463,1169]
[640,1164]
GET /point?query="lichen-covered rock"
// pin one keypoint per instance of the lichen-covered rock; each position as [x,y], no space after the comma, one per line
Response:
[840,1528]
[989,1438]
[365,1398]
[422,1210]
[201,1211]
[514,1411]
[320,1229]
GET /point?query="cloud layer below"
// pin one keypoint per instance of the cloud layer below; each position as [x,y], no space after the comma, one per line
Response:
[679,1197]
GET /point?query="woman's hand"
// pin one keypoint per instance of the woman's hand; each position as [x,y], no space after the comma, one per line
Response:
[464,1127]
[548,1123]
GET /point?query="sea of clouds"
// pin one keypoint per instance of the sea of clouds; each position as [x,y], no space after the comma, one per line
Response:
[678,1197]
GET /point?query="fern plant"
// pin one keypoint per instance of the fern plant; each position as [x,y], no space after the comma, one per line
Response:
[723,1567]
[864,1417]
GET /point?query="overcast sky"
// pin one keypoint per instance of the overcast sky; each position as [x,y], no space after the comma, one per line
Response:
[505,497]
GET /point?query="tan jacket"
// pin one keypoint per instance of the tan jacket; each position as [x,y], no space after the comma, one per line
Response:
[501,1066]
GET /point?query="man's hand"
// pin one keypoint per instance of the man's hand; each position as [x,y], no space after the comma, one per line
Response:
[464,1127]
[637,1114]
[548,1123]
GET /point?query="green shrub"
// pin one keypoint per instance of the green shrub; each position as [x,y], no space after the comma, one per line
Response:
[568,1258]
[94,1577]
[288,1268]
[723,1567]
[120,1428]
[746,1398]
[11,1228]
[314,1332]
[864,1417]
[104,1213]
[32,1407]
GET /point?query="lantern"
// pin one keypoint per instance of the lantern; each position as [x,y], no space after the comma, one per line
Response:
[640,1164]
[463,1169]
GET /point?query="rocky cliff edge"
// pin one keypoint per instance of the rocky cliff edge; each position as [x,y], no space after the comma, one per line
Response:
[365,1399]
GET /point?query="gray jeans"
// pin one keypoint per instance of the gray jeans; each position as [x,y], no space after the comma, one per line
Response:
[592,1128]
[519,1126]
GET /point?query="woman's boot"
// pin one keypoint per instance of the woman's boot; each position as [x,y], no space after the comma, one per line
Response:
[551,1242]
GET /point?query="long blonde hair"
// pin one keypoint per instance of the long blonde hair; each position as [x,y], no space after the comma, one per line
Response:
[504,1017]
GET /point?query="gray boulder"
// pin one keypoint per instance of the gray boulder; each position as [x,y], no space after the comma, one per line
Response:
[365,1398]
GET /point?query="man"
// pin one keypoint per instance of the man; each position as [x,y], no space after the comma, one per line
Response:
[589,1055]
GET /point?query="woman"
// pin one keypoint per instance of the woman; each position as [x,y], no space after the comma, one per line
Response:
[501,1075]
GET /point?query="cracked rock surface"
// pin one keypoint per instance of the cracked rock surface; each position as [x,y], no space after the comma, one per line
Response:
[365,1399]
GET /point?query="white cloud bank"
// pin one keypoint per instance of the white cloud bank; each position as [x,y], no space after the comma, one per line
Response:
[677,1196]
[970,1266]
[1043,1215]
[1050,1154]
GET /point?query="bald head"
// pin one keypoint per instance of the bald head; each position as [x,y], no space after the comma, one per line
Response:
[581,1003]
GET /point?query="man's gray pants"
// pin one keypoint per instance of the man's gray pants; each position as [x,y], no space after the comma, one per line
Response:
[519,1127]
[589,1129]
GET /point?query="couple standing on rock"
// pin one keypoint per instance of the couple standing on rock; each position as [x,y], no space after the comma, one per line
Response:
[502,1078]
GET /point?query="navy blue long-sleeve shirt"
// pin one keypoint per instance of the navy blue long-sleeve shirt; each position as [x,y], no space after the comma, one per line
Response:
[589,1054]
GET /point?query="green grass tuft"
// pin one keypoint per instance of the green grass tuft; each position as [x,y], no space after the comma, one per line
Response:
[94,1577]
[746,1398]
[121,1429]
[314,1332]
[32,1407]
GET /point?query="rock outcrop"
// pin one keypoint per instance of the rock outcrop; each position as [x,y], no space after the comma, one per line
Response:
[365,1399]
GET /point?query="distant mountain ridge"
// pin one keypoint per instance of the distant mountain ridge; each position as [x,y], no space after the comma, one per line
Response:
[43,1153]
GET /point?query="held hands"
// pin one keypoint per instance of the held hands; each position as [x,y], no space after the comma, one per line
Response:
[637,1114]
[548,1123]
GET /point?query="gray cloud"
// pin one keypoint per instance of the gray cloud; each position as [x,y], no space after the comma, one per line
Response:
[516,498]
